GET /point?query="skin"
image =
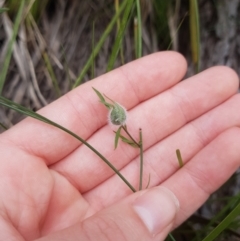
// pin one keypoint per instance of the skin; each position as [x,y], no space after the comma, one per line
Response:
[49,181]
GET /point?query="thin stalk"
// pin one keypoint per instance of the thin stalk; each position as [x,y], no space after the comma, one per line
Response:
[139,30]
[180,24]
[25,111]
[195,32]
[93,45]
[224,224]
[171,237]
[120,35]
[118,28]
[52,74]
[135,31]
[125,129]
[141,159]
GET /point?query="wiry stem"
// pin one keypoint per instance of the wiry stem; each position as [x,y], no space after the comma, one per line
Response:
[141,160]
[125,129]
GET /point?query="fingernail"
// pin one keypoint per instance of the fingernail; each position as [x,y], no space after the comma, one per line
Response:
[156,208]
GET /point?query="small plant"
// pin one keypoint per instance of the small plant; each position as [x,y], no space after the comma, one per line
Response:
[117,116]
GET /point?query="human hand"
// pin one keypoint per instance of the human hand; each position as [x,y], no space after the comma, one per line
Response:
[54,188]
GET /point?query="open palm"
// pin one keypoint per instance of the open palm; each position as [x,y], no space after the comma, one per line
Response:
[49,181]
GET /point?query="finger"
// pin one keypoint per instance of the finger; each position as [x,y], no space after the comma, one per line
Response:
[147,215]
[81,112]
[205,173]
[158,117]
[160,161]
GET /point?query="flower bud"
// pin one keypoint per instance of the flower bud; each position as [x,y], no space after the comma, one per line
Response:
[117,115]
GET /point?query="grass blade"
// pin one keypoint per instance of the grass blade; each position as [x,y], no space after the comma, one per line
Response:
[224,224]
[195,33]
[93,44]
[52,74]
[99,44]
[6,63]
[118,42]
[139,31]
[118,27]
[21,109]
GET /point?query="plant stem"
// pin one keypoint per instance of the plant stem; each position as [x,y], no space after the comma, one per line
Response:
[139,31]
[141,160]
[140,146]
[125,129]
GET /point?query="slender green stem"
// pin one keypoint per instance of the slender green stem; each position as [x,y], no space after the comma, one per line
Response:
[93,46]
[118,28]
[125,129]
[52,74]
[224,224]
[120,35]
[25,111]
[141,159]
[139,30]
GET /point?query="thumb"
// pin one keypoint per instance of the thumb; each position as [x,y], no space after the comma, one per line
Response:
[145,215]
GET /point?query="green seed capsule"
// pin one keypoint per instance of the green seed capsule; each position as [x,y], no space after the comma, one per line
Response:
[118,115]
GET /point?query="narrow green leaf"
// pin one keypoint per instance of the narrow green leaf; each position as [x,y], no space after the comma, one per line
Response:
[179,157]
[177,30]
[4,69]
[139,31]
[215,220]
[100,96]
[117,137]
[118,42]
[102,100]
[171,237]
[118,27]
[130,142]
[93,45]
[223,225]
[52,74]
[195,32]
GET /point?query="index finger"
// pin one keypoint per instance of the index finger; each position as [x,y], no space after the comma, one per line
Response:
[80,111]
